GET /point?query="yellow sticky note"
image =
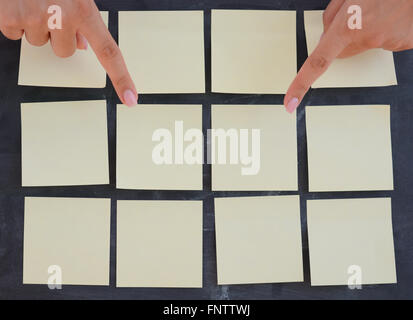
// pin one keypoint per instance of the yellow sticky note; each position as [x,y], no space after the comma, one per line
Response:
[66,241]
[253,51]
[164,50]
[351,242]
[64,143]
[349,148]
[368,69]
[159,244]
[154,147]
[258,240]
[253,147]
[39,66]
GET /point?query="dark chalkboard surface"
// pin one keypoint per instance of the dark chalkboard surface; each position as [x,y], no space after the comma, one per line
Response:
[12,194]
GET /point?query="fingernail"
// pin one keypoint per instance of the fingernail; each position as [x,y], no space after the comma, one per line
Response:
[84,45]
[130,98]
[292,105]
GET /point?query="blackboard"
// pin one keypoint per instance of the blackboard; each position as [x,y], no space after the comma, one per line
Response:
[12,194]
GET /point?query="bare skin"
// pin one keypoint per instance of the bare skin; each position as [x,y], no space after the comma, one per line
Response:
[386,24]
[81,24]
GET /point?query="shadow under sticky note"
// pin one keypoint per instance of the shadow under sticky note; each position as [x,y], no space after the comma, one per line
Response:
[66,238]
[159,244]
[253,51]
[351,242]
[64,143]
[258,240]
[164,50]
[39,66]
[271,163]
[369,69]
[349,148]
[143,130]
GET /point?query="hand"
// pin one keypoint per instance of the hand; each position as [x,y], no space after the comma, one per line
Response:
[81,23]
[386,24]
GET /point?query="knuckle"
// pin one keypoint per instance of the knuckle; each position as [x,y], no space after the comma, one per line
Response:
[121,81]
[318,63]
[85,9]
[109,51]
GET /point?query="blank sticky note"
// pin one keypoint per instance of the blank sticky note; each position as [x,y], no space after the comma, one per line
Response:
[164,50]
[39,66]
[155,147]
[351,241]
[253,51]
[241,162]
[368,69]
[66,239]
[349,148]
[64,143]
[159,244]
[258,240]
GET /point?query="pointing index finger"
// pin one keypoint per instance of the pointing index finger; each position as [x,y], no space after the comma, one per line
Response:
[332,43]
[108,53]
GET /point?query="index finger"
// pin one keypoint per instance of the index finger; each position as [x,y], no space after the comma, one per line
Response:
[331,11]
[108,53]
[330,46]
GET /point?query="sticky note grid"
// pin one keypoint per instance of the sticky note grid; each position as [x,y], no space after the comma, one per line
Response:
[159,243]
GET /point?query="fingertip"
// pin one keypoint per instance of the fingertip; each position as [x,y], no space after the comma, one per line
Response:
[130,98]
[286,100]
[292,105]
